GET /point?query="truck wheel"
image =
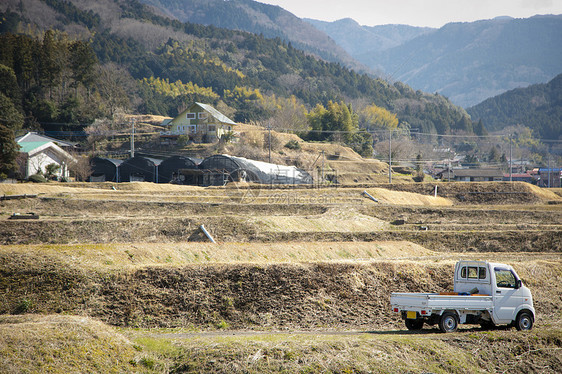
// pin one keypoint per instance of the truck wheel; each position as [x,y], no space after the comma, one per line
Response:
[449,322]
[524,321]
[414,324]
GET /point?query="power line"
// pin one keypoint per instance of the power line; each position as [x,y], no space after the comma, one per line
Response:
[289,130]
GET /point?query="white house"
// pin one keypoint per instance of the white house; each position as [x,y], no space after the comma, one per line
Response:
[199,120]
[38,151]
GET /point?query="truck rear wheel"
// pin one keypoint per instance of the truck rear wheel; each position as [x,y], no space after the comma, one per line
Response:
[524,321]
[449,322]
[414,324]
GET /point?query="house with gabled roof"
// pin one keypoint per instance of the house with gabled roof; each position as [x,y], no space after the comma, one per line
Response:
[471,175]
[36,137]
[38,151]
[201,122]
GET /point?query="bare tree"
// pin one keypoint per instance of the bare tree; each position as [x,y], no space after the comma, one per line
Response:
[98,131]
[79,166]
[115,85]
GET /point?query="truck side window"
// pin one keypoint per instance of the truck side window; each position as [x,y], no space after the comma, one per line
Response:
[504,278]
[463,272]
[481,273]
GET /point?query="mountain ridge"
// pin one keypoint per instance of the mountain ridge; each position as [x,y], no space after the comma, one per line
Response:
[470,61]
[258,18]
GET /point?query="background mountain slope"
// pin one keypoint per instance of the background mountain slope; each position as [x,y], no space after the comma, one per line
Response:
[358,40]
[538,107]
[468,62]
[258,18]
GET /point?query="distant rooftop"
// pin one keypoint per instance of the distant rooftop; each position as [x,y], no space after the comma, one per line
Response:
[32,137]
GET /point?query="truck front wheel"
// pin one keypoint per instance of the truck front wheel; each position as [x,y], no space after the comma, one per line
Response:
[449,322]
[524,321]
[414,324]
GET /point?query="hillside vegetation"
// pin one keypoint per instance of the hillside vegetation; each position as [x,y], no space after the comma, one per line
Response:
[257,18]
[538,107]
[116,56]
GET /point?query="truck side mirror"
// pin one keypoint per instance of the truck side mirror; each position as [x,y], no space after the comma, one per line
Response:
[518,284]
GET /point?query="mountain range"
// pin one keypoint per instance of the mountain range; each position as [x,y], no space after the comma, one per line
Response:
[466,62]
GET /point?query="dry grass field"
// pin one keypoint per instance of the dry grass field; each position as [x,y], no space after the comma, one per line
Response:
[120,277]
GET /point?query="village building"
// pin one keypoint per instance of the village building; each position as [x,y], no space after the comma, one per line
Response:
[104,169]
[39,151]
[139,169]
[200,122]
[217,170]
[471,175]
[168,169]
[550,177]
[519,177]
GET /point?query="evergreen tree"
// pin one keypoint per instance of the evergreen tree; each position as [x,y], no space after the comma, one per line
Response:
[479,129]
[9,115]
[8,152]
[82,63]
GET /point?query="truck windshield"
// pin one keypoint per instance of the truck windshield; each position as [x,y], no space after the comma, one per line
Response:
[504,278]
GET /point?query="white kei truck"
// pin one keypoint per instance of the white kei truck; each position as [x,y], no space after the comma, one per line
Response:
[485,293]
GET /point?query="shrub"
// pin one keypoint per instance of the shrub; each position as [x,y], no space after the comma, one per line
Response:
[293,144]
[24,306]
[37,178]
[147,362]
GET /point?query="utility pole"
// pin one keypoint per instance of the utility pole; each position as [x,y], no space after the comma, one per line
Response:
[548,166]
[510,158]
[390,157]
[323,159]
[133,139]
[269,141]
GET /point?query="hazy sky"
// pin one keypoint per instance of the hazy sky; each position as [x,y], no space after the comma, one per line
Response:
[434,13]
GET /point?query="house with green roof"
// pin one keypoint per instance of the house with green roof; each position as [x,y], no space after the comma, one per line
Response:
[201,122]
[38,151]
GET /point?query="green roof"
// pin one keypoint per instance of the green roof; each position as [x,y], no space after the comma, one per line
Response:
[27,147]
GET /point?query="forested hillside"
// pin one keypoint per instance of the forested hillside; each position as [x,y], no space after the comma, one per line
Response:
[77,61]
[538,107]
[258,18]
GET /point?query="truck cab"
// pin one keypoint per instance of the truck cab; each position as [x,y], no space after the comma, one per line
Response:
[484,293]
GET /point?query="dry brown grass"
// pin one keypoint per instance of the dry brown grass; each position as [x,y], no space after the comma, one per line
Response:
[408,198]
[63,344]
[137,255]
[368,352]
[302,270]
[152,192]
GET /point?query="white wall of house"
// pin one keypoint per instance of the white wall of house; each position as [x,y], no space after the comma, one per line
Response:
[39,161]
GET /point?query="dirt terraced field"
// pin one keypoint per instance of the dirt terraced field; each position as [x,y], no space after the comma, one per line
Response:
[299,280]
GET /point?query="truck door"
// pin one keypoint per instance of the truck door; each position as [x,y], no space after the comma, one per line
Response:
[506,296]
